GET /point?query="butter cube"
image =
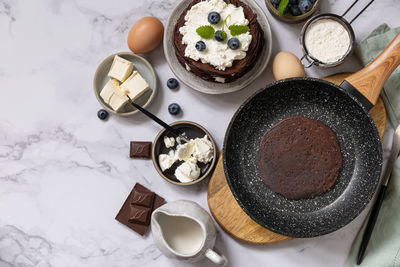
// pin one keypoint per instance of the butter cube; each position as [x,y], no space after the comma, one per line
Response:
[120,69]
[117,102]
[135,86]
[108,90]
[113,95]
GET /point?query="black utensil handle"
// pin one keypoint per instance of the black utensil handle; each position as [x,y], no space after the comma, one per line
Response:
[359,13]
[371,223]
[154,118]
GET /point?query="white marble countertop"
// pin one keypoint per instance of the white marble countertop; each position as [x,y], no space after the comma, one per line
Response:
[64,174]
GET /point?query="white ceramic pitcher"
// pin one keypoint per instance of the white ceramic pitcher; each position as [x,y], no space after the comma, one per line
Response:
[184,230]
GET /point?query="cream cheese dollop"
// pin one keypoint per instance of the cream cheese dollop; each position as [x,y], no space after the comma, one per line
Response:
[218,54]
[200,149]
[203,149]
[184,152]
[169,142]
[187,171]
[166,160]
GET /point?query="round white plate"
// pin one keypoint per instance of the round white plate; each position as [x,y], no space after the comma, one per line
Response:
[204,86]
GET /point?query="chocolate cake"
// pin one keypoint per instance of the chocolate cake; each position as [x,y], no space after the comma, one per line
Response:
[239,67]
[299,158]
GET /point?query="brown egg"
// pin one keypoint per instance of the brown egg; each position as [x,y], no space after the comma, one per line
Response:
[145,35]
[287,65]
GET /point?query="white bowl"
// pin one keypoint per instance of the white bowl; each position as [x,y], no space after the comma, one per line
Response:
[142,66]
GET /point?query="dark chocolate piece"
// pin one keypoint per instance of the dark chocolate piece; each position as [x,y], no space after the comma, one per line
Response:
[125,212]
[145,199]
[299,158]
[140,215]
[140,149]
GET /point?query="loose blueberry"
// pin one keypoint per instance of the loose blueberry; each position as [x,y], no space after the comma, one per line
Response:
[305,6]
[174,109]
[214,17]
[234,43]
[218,36]
[102,114]
[295,11]
[172,83]
[293,2]
[200,46]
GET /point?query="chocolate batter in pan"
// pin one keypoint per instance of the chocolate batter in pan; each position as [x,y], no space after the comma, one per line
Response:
[299,158]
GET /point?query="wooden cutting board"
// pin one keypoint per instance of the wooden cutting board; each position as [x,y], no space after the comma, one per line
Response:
[227,211]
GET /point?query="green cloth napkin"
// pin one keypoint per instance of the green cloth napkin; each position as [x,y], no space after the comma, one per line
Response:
[384,247]
[367,51]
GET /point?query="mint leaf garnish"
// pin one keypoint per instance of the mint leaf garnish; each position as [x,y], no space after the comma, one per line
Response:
[224,35]
[282,6]
[238,29]
[206,32]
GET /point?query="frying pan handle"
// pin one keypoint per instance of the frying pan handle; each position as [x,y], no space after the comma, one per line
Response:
[370,80]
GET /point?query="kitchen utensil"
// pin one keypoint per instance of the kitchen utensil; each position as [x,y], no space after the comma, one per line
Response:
[288,18]
[185,231]
[344,110]
[191,130]
[159,121]
[344,23]
[142,66]
[204,86]
[381,195]
[230,216]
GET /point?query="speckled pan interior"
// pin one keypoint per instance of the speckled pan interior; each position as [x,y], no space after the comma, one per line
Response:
[358,139]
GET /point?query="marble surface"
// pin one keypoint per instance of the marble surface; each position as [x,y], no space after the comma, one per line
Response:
[64,173]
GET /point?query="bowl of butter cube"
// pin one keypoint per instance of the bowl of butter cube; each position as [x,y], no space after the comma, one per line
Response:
[124,77]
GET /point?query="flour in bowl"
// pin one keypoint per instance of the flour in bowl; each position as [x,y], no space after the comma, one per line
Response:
[327,40]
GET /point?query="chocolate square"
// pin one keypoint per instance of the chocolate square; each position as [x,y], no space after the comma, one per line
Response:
[145,199]
[140,215]
[125,212]
[140,149]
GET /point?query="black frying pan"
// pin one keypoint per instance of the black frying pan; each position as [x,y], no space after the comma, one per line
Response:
[345,110]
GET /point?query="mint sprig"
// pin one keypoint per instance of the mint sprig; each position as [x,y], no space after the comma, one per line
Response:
[282,6]
[224,35]
[238,29]
[206,31]
[225,20]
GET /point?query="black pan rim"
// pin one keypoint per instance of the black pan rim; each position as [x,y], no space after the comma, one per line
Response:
[367,198]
